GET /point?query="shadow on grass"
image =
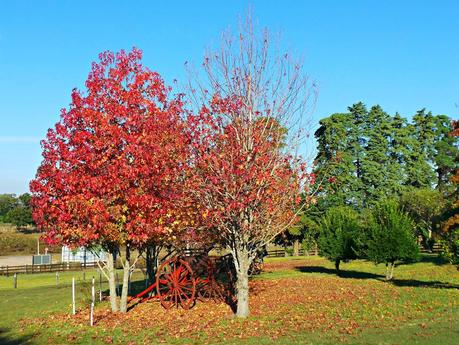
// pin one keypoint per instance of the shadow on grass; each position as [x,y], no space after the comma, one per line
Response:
[342,273]
[426,284]
[433,259]
[8,340]
[367,275]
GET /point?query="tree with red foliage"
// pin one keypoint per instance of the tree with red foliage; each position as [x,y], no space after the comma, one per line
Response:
[251,121]
[113,166]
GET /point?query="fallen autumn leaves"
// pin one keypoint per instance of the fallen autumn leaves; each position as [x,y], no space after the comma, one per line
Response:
[280,307]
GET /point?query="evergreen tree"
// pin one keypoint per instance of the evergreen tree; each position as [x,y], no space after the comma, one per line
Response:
[364,156]
[419,171]
[340,155]
[338,238]
[390,236]
[445,152]
[378,176]
[399,151]
[336,162]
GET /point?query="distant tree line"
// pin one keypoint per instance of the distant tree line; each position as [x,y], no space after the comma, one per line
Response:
[383,183]
[16,210]
[364,155]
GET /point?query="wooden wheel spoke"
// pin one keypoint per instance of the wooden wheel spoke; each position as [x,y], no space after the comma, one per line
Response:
[180,295]
[179,271]
[187,288]
[183,280]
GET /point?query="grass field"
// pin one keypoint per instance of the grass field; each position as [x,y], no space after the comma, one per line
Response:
[21,242]
[295,301]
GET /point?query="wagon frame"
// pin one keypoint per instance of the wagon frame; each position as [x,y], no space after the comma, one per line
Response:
[188,276]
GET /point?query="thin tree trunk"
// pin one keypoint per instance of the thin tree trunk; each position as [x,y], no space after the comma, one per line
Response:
[152,252]
[392,271]
[296,248]
[337,262]
[112,283]
[126,273]
[242,284]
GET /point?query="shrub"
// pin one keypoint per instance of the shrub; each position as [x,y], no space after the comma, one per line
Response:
[338,238]
[390,236]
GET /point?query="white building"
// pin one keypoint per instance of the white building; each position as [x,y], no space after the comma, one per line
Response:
[83,255]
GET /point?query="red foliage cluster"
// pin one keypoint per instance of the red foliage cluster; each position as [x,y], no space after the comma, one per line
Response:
[113,166]
[243,177]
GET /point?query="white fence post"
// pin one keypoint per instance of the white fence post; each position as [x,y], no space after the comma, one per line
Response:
[93,295]
[73,296]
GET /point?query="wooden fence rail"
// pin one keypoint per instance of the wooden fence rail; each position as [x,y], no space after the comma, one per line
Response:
[281,252]
[436,248]
[77,266]
[29,269]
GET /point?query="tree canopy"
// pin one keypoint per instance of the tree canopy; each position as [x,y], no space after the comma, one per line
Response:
[365,155]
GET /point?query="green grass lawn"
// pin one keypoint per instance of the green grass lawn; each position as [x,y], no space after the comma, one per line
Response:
[295,301]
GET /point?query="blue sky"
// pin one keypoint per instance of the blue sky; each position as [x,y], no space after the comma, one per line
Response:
[403,55]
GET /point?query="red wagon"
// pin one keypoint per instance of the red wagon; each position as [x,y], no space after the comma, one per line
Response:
[190,276]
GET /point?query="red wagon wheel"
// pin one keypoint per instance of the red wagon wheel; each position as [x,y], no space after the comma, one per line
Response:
[175,284]
[209,288]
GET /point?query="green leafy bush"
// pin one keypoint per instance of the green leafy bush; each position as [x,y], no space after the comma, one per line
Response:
[339,232]
[390,236]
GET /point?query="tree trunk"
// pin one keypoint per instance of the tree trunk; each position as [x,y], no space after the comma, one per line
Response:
[296,248]
[126,273]
[152,253]
[242,284]
[111,282]
[390,270]
[337,262]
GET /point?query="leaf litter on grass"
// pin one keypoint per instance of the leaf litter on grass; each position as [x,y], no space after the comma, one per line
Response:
[279,308]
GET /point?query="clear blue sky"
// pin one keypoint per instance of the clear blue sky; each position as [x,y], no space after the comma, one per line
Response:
[403,55]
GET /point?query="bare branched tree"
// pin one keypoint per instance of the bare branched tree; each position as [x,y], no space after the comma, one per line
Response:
[255,103]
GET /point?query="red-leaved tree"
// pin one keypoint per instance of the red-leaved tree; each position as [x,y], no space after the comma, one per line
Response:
[254,103]
[113,166]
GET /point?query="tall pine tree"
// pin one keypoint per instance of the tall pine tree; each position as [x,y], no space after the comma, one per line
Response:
[364,156]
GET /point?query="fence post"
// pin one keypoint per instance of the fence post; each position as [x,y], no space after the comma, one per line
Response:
[57,278]
[93,295]
[73,296]
[93,289]
[15,280]
[91,316]
[7,274]
[100,287]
